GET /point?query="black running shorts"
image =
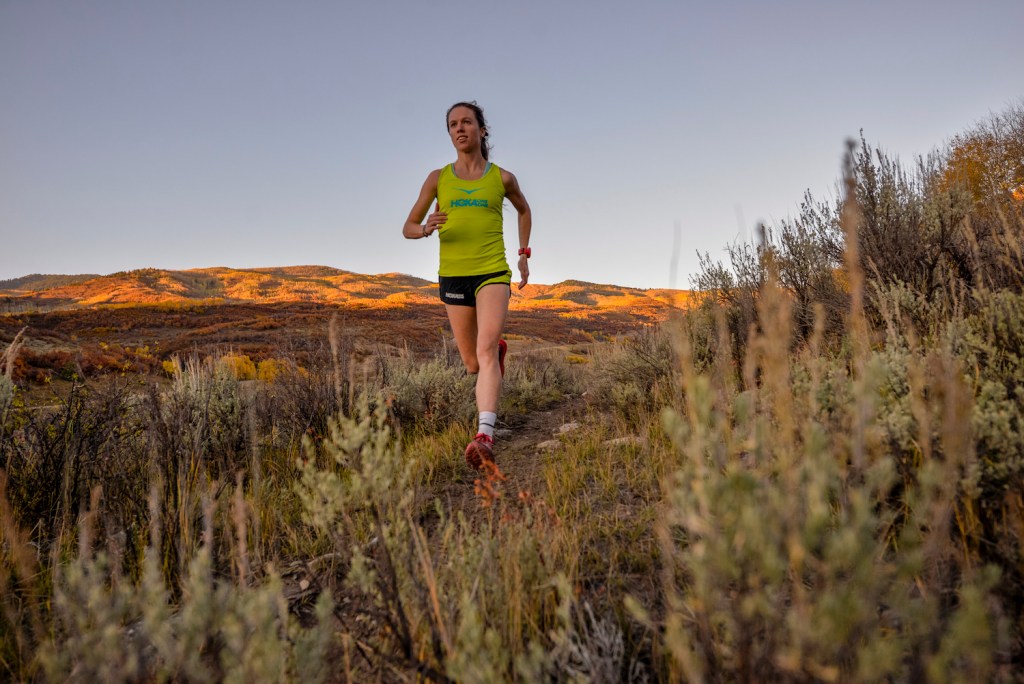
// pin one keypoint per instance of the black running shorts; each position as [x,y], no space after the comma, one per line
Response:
[461,290]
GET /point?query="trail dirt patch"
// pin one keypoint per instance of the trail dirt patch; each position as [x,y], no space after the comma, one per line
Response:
[519,459]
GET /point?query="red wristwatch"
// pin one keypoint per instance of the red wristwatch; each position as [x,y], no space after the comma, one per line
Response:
[524,250]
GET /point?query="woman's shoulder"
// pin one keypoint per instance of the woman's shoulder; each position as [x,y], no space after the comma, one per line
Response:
[508,179]
[433,177]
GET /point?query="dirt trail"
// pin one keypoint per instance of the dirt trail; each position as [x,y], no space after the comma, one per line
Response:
[517,457]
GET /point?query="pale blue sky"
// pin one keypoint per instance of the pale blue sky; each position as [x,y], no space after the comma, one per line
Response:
[205,133]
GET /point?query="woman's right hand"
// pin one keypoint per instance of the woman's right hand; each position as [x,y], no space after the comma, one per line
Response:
[435,220]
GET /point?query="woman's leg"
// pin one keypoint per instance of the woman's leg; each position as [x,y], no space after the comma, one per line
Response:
[491,310]
[463,321]
[477,331]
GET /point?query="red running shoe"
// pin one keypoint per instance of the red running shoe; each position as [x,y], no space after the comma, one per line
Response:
[502,350]
[479,450]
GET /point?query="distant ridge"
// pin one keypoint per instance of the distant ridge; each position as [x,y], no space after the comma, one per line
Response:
[311,283]
[40,281]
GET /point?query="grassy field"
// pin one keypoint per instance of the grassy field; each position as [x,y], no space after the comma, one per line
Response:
[814,474]
[311,525]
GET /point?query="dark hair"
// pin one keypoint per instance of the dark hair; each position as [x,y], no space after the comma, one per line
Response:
[485,146]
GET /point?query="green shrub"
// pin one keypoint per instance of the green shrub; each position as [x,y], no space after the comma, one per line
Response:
[534,382]
[633,375]
[430,395]
[108,629]
[794,551]
[934,234]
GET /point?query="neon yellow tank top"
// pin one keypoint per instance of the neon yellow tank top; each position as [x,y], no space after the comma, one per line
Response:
[471,239]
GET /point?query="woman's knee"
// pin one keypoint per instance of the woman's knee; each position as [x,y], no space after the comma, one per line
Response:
[487,354]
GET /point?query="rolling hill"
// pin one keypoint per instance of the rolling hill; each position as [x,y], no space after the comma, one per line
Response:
[310,284]
[134,320]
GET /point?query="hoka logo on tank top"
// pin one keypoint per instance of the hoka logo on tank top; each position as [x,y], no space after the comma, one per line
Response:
[468,202]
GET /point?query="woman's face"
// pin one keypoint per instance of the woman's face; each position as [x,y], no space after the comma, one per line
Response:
[464,130]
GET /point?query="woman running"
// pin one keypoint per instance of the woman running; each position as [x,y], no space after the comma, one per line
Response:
[475,280]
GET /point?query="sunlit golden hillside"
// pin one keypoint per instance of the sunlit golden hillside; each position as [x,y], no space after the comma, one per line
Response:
[319,284]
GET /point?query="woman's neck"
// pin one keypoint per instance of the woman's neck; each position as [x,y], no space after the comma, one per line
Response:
[470,166]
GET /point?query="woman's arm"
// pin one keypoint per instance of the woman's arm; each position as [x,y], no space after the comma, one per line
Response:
[518,200]
[413,229]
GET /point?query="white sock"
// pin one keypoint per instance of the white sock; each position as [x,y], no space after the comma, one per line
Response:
[487,421]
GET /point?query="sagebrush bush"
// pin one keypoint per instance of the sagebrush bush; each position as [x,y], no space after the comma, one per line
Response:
[937,232]
[93,436]
[535,381]
[108,629]
[300,400]
[430,395]
[441,620]
[804,254]
[793,551]
[633,375]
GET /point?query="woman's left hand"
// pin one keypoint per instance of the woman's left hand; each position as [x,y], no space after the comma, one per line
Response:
[524,271]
